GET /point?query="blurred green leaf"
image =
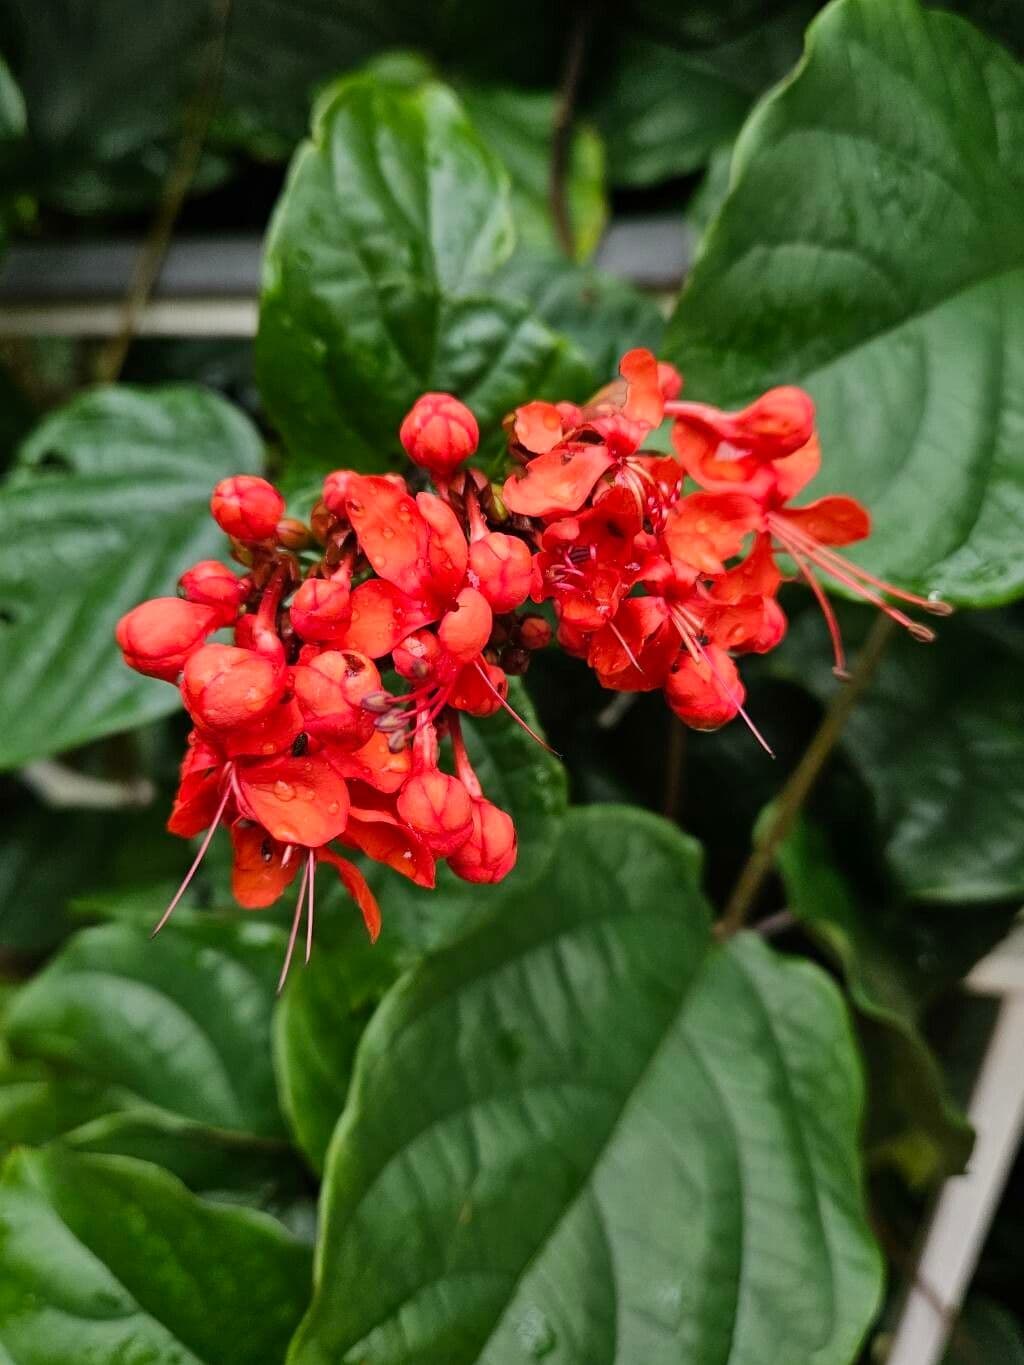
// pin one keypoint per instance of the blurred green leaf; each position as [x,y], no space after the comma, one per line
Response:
[517,126]
[181,1023]
[938,738]
[985,1333]
[106,1258]
[12,132]
[106,96]
[680,87]
[870,248]
[37,1106]
[568,1132]
[97,849]
[377,280]
[602,316]
[912,1121]
[106,505]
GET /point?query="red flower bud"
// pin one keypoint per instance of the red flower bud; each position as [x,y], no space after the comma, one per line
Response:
[534,632]
[476,695]
[439,433]
[292,533]
[438,808]
[670,381]
[503,567]
[214,585]
[330,690]
[489,854]
[247,508]
[320,610]
[777,423]
[420,656]
[338,487]
[224,686]
[467,627]
[158,636]
[704,693]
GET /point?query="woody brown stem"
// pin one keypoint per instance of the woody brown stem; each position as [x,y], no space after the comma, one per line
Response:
[196,122]
[561,131]
[802,779]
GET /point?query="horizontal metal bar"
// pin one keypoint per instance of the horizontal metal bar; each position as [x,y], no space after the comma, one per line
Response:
[209,286]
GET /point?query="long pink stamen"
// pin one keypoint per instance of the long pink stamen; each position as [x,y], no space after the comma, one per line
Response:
[828,557]
[629,653]
[839,668]
[697,652]
[847,574]
[195,866]
[512,712]
[311,869]
[295,931]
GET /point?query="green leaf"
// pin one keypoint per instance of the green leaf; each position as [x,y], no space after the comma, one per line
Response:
[106,97]
[12,132]
[37,1106]
[377,280]
[181,1022]
[523,779]
[676,91]
[985,1333]
[517,125]
[584,1133]
[602,316]
[320,1020]
[105,1258]
[912,1121]
[938,739]
[870,249]
[107,504]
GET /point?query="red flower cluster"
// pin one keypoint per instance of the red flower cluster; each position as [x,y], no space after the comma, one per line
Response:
[658,587]
[298,746]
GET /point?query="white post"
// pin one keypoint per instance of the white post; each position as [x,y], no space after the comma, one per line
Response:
[960,1223]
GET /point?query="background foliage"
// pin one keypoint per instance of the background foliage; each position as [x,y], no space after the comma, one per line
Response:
[556,1120]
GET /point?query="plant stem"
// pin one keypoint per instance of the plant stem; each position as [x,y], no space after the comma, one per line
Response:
[561,131]
[803,777]
[195,124]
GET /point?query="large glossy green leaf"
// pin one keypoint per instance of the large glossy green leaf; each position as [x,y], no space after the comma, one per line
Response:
[584,1134]
[870,249]
[106,1258]
[181,1022]
[939,739]
[377,280]
[106,505]
[603,316]
[517,126]
[678,88]
[912,1121]
[320,1020]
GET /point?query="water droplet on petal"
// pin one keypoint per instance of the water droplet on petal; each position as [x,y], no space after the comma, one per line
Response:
[388,532]
[284,791]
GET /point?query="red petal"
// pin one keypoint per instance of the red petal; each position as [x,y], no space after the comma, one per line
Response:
[382,616]
[271,734]
[259,874]
[447,550]
[644,401]
[560,481]
[830,521]
[199,791]
[538,427]
[356,886]
[375,764]
[795,471]
[391,531]
[704,529]
[297,800]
